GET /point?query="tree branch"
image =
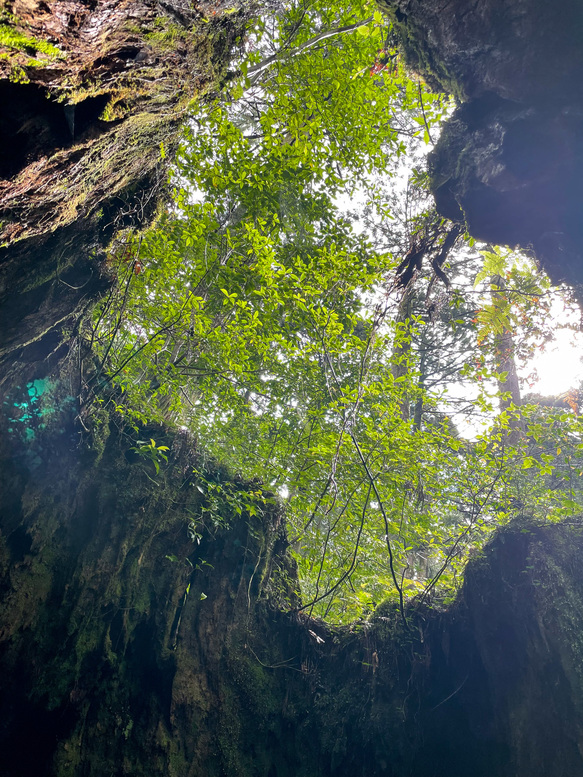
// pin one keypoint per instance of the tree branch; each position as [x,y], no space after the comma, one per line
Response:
[255,72]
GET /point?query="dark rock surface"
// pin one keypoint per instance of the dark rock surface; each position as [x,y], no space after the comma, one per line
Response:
[510,160]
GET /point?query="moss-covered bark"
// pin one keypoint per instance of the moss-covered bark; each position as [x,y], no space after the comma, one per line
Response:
[89,121]
[122,632]
[509,162]
[93,99]
[131,645]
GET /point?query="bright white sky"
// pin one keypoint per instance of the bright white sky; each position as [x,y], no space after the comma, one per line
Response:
[560,368]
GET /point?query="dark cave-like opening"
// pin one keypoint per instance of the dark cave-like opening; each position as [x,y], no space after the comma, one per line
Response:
[33,125]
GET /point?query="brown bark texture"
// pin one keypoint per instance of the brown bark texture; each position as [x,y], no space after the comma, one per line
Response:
[93,97]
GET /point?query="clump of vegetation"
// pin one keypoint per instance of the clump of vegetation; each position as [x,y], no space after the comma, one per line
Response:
[23,51]
[305,312]
[11,38]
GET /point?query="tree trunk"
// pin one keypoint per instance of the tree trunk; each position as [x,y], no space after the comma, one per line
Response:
[508,384]
[87,130]
[147,629]
[402,349]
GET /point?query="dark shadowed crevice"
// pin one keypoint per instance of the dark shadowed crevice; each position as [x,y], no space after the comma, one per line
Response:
[33,125]
[30,125]
[19,543]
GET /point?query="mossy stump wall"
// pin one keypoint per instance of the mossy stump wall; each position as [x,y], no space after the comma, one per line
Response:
[128,645]
[121,635]
[509,163]
[93,97]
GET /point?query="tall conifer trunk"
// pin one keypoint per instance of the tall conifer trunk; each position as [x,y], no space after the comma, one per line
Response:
[504,355]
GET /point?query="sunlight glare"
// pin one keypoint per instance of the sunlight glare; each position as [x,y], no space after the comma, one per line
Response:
[560,365]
